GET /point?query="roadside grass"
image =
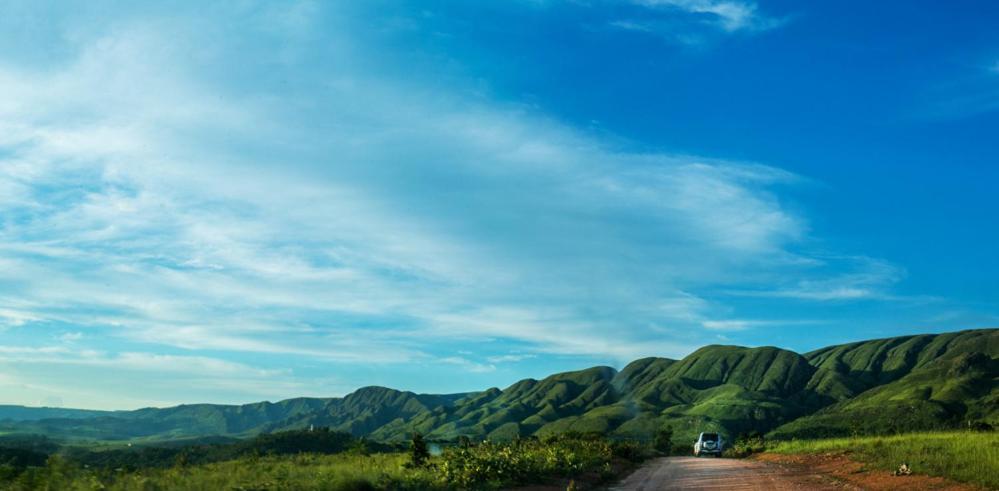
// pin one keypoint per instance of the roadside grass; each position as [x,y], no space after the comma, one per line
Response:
[959,455]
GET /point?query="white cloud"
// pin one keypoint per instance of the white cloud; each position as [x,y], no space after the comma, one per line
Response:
[631,25]
[468,365]
[869,279]
[69,337]
[510,358]
[730,15]
[150,362]
[31,350]
[728,325]
[12,317]
[965,94]
[735,325]
[554,331]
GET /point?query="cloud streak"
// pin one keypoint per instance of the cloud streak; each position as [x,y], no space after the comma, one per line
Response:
[692,22]
[729,15]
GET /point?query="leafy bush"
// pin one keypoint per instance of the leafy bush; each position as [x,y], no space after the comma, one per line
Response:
[629,450]
[418,452]
[492,465]
[664,440]
[747,444]
[18,453]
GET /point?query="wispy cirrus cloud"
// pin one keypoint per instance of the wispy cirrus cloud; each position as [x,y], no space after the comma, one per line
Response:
[468,365]
[694,21]
[510,358]
[151,362]
[966,93]
[853,278]
[730,15]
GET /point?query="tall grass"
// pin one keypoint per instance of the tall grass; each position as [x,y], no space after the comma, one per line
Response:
[342,472]
[482,466]
[963,456]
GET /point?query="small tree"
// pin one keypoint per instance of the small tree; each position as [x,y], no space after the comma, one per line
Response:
[418,452]
[664,439]
[360,447]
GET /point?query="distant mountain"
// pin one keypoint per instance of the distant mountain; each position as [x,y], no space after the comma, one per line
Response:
[22,413]
[359,413]
[884,385]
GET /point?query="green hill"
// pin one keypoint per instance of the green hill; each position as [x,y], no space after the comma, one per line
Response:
[909,383]
[879,386]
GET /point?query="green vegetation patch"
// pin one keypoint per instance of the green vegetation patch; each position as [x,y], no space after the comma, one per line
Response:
[964,456]
[486,465]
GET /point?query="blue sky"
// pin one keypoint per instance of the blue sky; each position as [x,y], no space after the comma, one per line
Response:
[260,200]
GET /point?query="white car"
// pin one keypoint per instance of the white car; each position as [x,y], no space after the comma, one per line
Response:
[710,444]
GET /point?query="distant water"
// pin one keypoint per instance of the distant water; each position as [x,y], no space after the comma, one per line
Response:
[435,449]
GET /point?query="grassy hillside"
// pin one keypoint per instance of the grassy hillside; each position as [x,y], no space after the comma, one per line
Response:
[908,384]
[725,388]
[521,409]
[880,386]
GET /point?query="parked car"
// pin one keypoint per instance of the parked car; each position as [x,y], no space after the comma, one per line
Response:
[709,444]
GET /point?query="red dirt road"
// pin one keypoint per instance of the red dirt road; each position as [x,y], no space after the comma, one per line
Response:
[694,473]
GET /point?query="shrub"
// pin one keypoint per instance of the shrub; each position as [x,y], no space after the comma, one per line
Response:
[419,454]
[664,440]
[747,444]
[980,426]
[628,450]
[492,465]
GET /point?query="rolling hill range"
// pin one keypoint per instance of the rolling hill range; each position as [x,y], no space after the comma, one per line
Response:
[879,386]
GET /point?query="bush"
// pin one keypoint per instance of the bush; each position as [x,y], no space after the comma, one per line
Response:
[747,444]
[418,452]
[980,426]
[664,440]
[629,450]
[492,465]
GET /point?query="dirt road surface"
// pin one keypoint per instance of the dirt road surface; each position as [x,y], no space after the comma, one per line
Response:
[694,473]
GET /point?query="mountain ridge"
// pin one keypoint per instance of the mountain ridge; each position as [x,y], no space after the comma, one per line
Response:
[907,382]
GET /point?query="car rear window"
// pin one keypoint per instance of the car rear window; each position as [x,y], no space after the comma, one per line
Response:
[710,437]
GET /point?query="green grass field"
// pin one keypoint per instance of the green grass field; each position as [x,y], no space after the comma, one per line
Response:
[480,466]
[341,472]
[962,456]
